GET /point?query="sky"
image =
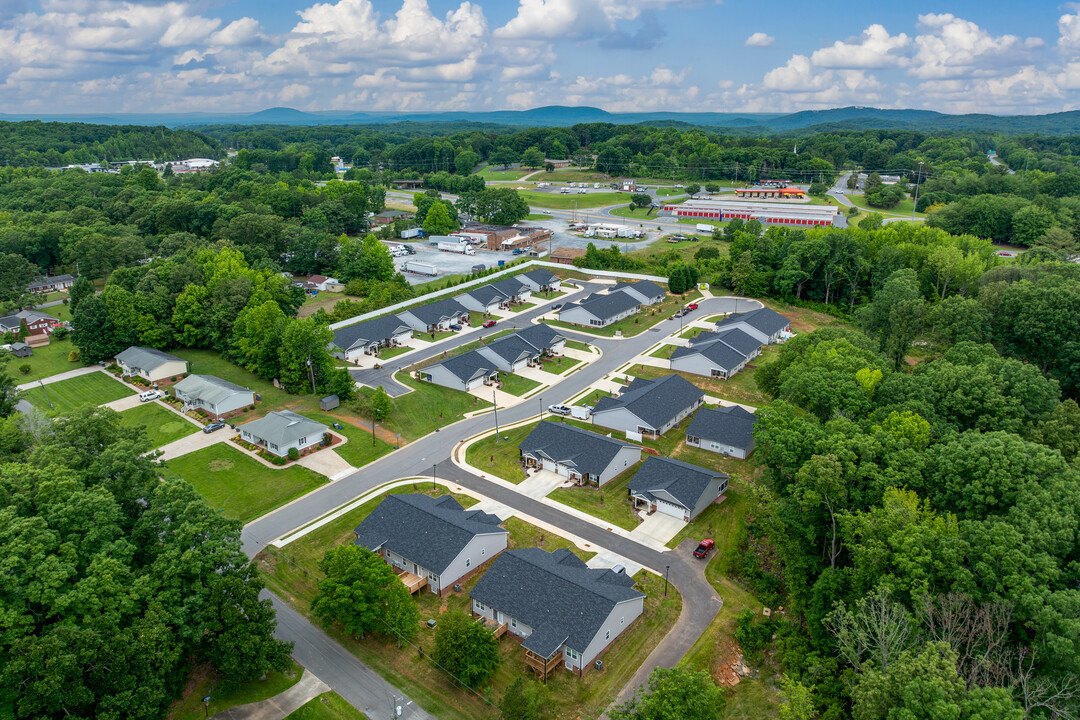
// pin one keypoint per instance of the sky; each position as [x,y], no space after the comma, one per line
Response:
[116,56]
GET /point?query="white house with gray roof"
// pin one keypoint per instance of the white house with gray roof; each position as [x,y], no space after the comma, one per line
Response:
[585,457]
[485,299]
[726,430]
[462,372]
[600,309]
[150,364]
[282,430]
[432,538]
[565,612]
[366,338]
[515,290]
[434,317]
[649,407]
[508,354]
[765,325]
[675,488]
[717,354]
[213,395]
[645,292]
[541,280]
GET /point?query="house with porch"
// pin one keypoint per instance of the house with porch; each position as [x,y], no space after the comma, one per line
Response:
[37,323]
[465,372]
[150,364]
[485,298]
[726,430]
[214,396]
[435,317]
[431,541]
[646,292]
[765,325]
[367,338]
[649,407]
[584,457]
[50,283]
[544,337]
[717,354]
[541,280]
[675,488]
[514,289]
[600,309]
[564,612]
[283,430]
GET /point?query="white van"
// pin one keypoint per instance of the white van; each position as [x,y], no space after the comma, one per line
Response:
[149,395]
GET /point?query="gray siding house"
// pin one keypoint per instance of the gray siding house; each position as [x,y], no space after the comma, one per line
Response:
[485,299]
[435,316]
[727,430]
[645,292]
[675,488]
[367,338]
[600,309]
[716,354]
[462,372]
[541,280]
[150,364]
[434,539]
[213,395]
[566,613]
[649,407]
[514,289]
[585,457]
[766,325]
[282,430]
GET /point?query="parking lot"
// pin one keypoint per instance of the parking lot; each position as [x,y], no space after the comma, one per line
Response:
[448,263]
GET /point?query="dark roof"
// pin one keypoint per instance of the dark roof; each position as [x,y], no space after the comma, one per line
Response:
[468,365]
[428,531]
[730,425]
[646,287]
[656,402]
[734,337]
[436,312]
[513,347]
[604,306]
[556,594]
[726,349]
[684,482]
[370,331]
[540,335]
[570,445]
[510,286]
[765,320]
[541,276]
[485,294]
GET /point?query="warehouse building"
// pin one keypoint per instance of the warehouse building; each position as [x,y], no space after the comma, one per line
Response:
[788,193]
[766,213]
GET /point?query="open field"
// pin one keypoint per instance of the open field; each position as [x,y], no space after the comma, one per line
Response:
[537,216]
[490,173]
[67,395]
[202,681]
[328,706]
[325,300]
[162,426]
[238,485]
[418,413]
[609,503]
[559,201]
[46,361]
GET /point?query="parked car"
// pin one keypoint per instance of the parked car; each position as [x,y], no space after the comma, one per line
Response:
[704,548]
[214,426]
[691,307]
[489,323]
[149,395]
[559,409]
[455,326]
[518,251]
[556,306]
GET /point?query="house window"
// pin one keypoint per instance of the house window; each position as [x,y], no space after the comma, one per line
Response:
[693,440]
[513,623]
[715,445]
[468,562]
[481,606]
[572,654]
[607,635]
[273,446]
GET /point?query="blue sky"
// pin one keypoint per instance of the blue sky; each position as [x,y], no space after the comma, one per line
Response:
[621,55]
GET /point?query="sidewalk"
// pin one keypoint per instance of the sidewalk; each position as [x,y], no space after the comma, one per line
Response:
[59,377]
[281,705]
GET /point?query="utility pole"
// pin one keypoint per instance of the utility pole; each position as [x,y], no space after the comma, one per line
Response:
[495,405]
[736,172]
[918,176]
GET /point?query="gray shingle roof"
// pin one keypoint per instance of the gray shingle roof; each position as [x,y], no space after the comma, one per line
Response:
[540,335]
[436,312]
[718,351]
[145,358]
[656,402]
[646,287]
[371,331]
[283,427]
[541,276]
[486,294]
[209,389]
[510,286]
[468,365]
[735,337]
[729,425]
[682,481]
[570,445]
[604,306]
[765,320]
[428,531]
[555,594]
[13,321]
[513,347]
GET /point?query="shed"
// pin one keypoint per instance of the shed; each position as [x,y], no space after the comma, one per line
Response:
[329,402]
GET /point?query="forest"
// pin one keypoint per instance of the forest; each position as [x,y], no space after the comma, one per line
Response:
[52,144]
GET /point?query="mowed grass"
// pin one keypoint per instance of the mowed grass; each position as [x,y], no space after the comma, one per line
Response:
[490,173]
[208,362]
[328,706]
[517,384]
[241,487]
[537,216]
[360,450]
[560,201]
[52,359]
[902,209]
[740,388]
[94,388]
[417,413]
[608,503]
[203,681]
[639,322]
[161,425]
[560,365]
[500,458]
[645,213]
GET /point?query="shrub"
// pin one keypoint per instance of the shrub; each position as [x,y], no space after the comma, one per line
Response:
[61,332]
[294,454]
[327,438]
[24,368]
[74,356]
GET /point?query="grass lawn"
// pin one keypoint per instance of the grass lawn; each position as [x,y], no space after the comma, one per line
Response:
[208,362]
[669,191]
[572,200]
[517,384]
[202,681]
[526,535]
[418,413]
[578,345]
[490,173]
[741,388]
[664,351]
[903,209]
[501,458]
[326,300]
[60,312]
[522,307]
[387,353]
[162,425]
[592,398]
[685,251]
[91,389]
[241,487]
[640,322]
[561,365]
[537,216]
[328,706]
[359,451]
[609,503]
[645,213]
[691,333]
[46,361]
[548,294]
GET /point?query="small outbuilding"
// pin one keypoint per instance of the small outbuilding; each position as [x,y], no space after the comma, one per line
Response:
[329,402]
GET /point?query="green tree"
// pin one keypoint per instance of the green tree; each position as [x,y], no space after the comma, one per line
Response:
[524,700]
[80,289]
[692,188]
[437,221]
[303,355]
[796,701]
[466,161]
[503,157]
[532,157]
[15,272]
[364,259]
[381,405]
[9,395]
[682,278]
[871,222]
[468,650]
[1030,224]
[641,199]
[359,591]
[674,693]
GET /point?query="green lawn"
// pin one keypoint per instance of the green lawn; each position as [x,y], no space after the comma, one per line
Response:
[527,535]
[418,413]
[517,385]
[549,294]
[208,362]
[387,353]
[609,503]
[94,388]
[328,706]
[561,365]
[592,398]
[359,451]
[578,345]
[490,173]
[60,312]
[537,216]
[203,681]
[669,191]
[638,323]
[664,351]
[46,361]
[501,458]
[637,213]
[903,209]
[571,200]
[162,425]
[240,486]
[740,388]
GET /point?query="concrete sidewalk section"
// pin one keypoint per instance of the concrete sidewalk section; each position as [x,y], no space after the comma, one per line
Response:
[281,705]
[60,377]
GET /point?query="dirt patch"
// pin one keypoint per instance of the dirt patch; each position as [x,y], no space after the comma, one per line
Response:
[730,665]
[198,678]
[219,465]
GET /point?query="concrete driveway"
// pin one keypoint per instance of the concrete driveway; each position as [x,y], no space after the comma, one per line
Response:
[124,403]
[659,527]
[326,462]
[60,377]
[538,485]
[193,442]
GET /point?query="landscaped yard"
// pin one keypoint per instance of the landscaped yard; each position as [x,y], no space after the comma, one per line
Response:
[501,458]
[387,353]
[328,706]
[572,200]
[578,345]
[639,322]
[591,398]
[903,209]
[549,294]
[664,351]
[359,451]
[162,426]
[609,503]
[62,397]
[208,362]
[527,535]
[48,360]
[418,413]
[561,365]
[240,486]
[203,680]
[740,388]
[517,384]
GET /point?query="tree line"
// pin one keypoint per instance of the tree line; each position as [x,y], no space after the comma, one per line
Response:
[35,143]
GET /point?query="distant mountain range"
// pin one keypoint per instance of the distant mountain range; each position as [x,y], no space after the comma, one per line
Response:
[852,118]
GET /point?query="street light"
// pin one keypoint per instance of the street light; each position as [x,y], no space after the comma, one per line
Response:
[433,486]
[918,176]
[666,569]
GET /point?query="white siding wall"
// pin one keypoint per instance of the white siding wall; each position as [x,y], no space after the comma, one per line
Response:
[577,315]
[617,419]
[620,618]
[479,550]
[442,376]
[683,414]
[696,364]
[624,459]
[708,497]
[234,402]
[166,371]
[720,448]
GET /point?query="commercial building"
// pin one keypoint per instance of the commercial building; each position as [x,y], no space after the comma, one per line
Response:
[566,255]
[787,193]
[766,213]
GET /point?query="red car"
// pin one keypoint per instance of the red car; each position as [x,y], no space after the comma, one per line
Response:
[489,323]
[704,548]
[692,306]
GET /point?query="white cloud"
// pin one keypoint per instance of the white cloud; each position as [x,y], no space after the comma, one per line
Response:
[954,47]
[1069,32]
[245,31]
[759,39]
[875,48]
[555,19]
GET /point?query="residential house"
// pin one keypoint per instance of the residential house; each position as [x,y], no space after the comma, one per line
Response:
[541,280]
[150,364]
[51,283]
[564,612]
[37,323]
[716,354]
[432,541]
[726,430]
[283,430]
[543,336]
[585,457]
[333,285]
[435,316]
[387,217]
[366,338]
[600,309]
[462,372]
[514,289]
[765,325]
[675,488]
[213,395]
[649,407]
[509,354]
[566,255]
[485,298]
[646,292]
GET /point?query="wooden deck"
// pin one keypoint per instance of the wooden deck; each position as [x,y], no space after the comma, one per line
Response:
[497,629]
[412,583]
[543,667]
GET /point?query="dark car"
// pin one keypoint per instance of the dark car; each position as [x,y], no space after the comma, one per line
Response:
[704,548]
[518,251]
[489,323]
[217,425]
[455,326]
[556,306]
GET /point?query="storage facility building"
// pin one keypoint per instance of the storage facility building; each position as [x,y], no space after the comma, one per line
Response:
[767,213]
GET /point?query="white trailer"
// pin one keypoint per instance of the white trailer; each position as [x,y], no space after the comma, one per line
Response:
[705,228]
[581,412]
[456,247]
[411,233]
[419,268]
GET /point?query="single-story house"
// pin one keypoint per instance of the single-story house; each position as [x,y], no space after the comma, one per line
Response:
[600,309]
[51,283]
[726,430]
[462,372]
[541,280]
[647,292]
[649,407]
[566,613]
[282,430]
[514,289]
[717,354]
[387,217]
[365,338]
[435,316]
[150,364]
[566,255]
[213,395]
[765,325]
[675,488]
[431,540]
[485,298]
[333,285]
[584,457]
[37,322]
[511,353]
[543,336]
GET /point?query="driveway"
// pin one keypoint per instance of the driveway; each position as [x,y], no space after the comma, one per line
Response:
[124,403]
[193,442]
[660,527]
[326,462]
[538,485]
[59,377]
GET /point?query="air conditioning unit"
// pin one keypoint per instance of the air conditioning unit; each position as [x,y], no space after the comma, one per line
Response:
[431,623]
[457,587]
[599,664]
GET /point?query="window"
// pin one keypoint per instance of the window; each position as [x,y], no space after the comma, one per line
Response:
[468,562]
[513,623]
[572,654]
[607,635]
[715,445]
[480,606]
[693,440]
